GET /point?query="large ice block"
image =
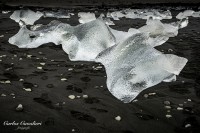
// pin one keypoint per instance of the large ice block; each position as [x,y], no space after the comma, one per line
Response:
[134,65]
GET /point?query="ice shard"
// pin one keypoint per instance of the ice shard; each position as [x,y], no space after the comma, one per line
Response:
[27,16]
[134,65]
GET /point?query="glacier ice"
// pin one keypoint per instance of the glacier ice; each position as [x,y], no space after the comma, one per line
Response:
[134,65]
[86,17]
[140,13]
[188,13]
[27,16]
[81,42]
[58,14]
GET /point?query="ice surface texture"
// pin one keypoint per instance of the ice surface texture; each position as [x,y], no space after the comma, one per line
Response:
[132,63]
[188,13]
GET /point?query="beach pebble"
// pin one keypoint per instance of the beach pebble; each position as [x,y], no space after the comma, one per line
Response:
[73,130]
[168,116]
[85,96]
[40,68]
[28,56]
[189,100]
[3,95]
[1,36]
[78,96]
[179,108]
[70,69]
[168,107]
[187,125]
[71,97]
[118,118]
[0,60]
[20,59]
[63,79]
[151,94]
[7,82]
[21,80]
[12,94]
[19,107]
[181,105]
[42,64]
[146,95]
[27,89]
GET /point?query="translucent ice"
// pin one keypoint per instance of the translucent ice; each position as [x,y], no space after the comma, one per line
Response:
[81,42]
[185,14]
[140,13]
[134,65]
[86,17]
[58,14]
[27,16]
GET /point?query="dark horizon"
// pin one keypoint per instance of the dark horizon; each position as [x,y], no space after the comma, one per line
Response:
[67,3]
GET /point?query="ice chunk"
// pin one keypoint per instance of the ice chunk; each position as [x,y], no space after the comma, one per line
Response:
[185,14]
[27,16]
[58,14]
[86,17]
[81,42]
[196,14]
[140,13]
[133,65]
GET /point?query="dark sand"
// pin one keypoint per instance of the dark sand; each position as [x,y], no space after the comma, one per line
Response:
[97,112]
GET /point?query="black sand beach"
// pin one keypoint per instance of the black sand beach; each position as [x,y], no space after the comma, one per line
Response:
[48,101]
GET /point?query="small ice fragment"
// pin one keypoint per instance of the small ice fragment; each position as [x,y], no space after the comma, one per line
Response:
[168,116]
[185,14]
[71,97]
[63,79]
[85,96]
[118,118]
[40,68]
[151,94]
[1,36]
[86,17]
[19,107]
[5,12]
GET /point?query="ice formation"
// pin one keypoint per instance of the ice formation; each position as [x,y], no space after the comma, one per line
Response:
[188,13]
[86,17]
[27,16]
[58,14]
[132,63]
[81,42]
[140,13]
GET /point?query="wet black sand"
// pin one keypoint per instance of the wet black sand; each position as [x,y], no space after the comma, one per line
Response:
[49,103]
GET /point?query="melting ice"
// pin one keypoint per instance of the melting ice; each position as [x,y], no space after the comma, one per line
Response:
[132,63]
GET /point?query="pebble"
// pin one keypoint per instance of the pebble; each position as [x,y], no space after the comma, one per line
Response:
[63,79]
[1,35]
[118,118]
[70,69]
[71,97]
[189,100]
[181,105]
[78,96]
[19,107]
[73,130]
[12,94]
[85,96]
[21,80]
[146,95]
[179,108]
[167,102]
[151,94]
[29,56]
[42,64]
[20,59]
[3,95]
[40,68]
[27,89]
[168,107]
[187,125]
[7,82]
[168,116]
[0,60]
